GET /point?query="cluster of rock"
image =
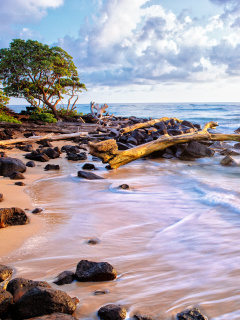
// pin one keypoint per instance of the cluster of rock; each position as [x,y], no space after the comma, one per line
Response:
[36,300]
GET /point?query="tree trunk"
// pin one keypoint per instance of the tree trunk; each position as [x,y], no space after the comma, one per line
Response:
[108,150]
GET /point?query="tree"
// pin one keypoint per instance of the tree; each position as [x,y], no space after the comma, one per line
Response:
[3,100]
[38,73]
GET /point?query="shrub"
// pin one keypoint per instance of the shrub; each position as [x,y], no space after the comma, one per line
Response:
[7,118]
[71,113]
[43,116]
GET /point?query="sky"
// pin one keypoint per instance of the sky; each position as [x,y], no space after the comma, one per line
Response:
[138,50]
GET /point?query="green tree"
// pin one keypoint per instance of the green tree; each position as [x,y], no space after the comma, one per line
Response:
[38,73]
[3,100]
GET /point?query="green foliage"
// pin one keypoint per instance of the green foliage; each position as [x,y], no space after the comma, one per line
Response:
[42,115]
[7,118]
[36,72]
[71,113]
[3,100]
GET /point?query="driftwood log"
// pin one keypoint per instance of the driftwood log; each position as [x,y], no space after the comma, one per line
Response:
[109,153]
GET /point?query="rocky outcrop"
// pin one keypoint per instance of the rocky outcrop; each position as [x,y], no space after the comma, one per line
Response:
[112,312]
[94,271]
[41,301]
[9,165]
[12,217]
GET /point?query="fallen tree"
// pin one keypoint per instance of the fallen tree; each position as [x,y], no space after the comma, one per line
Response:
[109,153]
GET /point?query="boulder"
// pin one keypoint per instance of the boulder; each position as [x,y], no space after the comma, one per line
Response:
[6,301]
[12,217]
[52,153]
[88,175]
[20,183]
[132,140]
[70,149]
[5,272]
[174,132]
[237,145]
[9,165]
[229,161]
[64,277]
[55,316]
[41,301]
[221,145]
[187,124]
[2,154]
[77,156]
[194,150]
[1,197]
[94,271]
[19,286]
[30,164]
[191,314]
[37,156]
[16,176]
[52,167]
[88,166]
[237,130]
[112,312]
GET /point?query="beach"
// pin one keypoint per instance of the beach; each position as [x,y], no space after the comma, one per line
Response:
[172,236]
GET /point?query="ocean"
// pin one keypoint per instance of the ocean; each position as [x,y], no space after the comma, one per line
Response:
[173,237]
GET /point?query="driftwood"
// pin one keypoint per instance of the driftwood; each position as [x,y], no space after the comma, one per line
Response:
[108,150]
[147,124]
[100,110]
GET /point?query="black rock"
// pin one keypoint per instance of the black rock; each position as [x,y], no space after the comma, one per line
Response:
[27,148]
[52,153]
[16,176]
[5,272]
[122,146]
[30,164]
[124,186]
[37,156]
[88,166]
[100,292]
[64,277]
[52,167]
[229,161]
[9,165]
[191,314]
[37,210]
[42,301]
[174,132]
[77,156]
[237,145]
[140,317]
[237,130]
[93,241]
[6,301]
[229,152]
[2,154]
[94,271]
[70,149]
[55,316]
[20,183]
[194,150]
[29,134]
[88,175]
[1,197]
[19,286]
[187,124]
[45,143]
[12,217]
[112,312]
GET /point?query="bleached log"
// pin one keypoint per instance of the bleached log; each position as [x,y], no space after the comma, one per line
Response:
[146,124]
[108,150]
[100,110]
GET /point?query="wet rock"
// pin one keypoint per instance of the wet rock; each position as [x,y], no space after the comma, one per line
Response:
[187,124]
[88,175]
[96,159]
[174,132]
[70,149]
[161,127]
[100,292]
[93,241]
[16,176]
[122,146]
[94,271]
[77,156]
[194,150]
[191,314]
[197,126]
[64,277]
[237,145]
[45,143]
[6,301]
[229,161]
[12,217]
[52,167]
[52,153]
[229,152]
[55,316]
[132,140]
[1,197]
[88,166]
[123,139]
[9,165]
[112,312]
[41,301]
[237,130]
[140,317]
[37,210]
[37,156]
[26,148]
[150,130]
[30,164]
[139,136]
[20,183]
[124,186]
[5,272]
[221,145]
[19,286]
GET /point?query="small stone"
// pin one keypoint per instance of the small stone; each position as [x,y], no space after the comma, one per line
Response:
[140,317]
[52,167]
[88,175]
[88,166]
[64,277]
[229,161]
[124,186]
[30,164]
[20,183]
[100,292]
[16,176]
[37,210]
[1,197]
[93,241]
[112,312]
[191,314]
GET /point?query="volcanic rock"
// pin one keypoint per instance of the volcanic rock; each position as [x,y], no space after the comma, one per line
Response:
[5,272]
[112,312]
[55,316]
[191,314]
[9,165]
[6,301]
[52,167]
[194,150]
[16,176]
[77,156]
[30,164]
[64,277]
[37,156]
[20,183]
[88,175]
[94,271]
[229,161]
[37,210]
[1,197]
[12,217]
[140,317]
[88,166]
[93,241]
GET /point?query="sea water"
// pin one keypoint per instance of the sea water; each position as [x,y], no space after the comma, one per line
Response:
[173,236]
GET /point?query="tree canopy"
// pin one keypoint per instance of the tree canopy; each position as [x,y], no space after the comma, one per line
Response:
[38,73]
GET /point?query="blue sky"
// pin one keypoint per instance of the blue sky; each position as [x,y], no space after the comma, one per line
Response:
[138,50]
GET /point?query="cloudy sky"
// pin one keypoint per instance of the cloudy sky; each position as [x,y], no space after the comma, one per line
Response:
[138,50]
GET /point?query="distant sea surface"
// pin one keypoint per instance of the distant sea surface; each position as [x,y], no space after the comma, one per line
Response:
[173,237]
